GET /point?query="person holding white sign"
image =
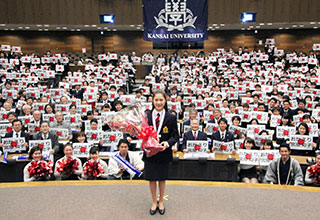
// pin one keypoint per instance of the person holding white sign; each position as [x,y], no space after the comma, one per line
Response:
[116,171]
[194,134]
[285,170]
[303,129]
[40,172]
[17,133]
[45,134]
[248,173]
[222,134]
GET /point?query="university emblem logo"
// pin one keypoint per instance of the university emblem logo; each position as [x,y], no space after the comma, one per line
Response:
[175,16]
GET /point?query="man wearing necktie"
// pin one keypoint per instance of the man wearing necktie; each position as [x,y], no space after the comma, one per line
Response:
[17,132]
[45,134]
[193,134]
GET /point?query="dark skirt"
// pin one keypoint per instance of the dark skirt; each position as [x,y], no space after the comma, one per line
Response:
[155,171]
[248,173]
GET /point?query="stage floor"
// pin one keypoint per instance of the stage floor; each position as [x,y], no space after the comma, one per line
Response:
[131,200]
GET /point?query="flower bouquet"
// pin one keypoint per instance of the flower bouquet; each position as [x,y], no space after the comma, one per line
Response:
[41,170]
[134,121]
[93,169]
[67,166]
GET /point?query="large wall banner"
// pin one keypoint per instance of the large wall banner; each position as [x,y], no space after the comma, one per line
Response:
[175,20]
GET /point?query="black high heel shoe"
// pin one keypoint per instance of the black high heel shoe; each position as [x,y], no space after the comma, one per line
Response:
[161,211]
[152,212]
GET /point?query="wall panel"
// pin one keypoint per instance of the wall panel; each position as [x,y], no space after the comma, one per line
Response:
[133,41]
[130,11]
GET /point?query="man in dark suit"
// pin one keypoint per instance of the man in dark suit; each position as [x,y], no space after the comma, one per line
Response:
[45,134]
[17,132]
[77,92]
[222,134]
[194,134]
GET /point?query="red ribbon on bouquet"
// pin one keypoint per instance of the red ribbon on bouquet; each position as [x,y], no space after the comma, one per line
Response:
[146,133]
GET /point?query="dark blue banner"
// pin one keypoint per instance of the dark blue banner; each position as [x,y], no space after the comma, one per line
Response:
[175,20]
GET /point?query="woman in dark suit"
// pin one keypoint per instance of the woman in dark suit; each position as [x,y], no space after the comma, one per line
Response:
[156,167]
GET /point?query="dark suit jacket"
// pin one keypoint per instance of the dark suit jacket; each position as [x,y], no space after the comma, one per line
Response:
[171,136]
[23,134]
[77,93]
[228,137]
[189,136]
[290,113]
[54,140]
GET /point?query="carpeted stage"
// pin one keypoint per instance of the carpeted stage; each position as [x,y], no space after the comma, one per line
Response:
[131,200]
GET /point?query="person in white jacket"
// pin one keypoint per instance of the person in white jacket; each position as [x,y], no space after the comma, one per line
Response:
[116,171]
[94,157]
[309,179]
[68,173]
[36,155]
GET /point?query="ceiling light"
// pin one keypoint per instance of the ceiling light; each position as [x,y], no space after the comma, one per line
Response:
[294,25]
[6,29]
[105,28]
[269,23]
[131,25]
[257,26]
[2,24]
[98,28]
[27,27]
[46,29]
[46,25]
[64,28]
[20,27]
[250,26]
[222,25]
[39,29]
[12,29]
[39,25]
[114,29]
[301,25]
[78,29]
[71,29]
[261,24]
[94,25]
[86,25]
[214,24]
[217,27]
[280,28]
[243,29]
[58,28]
[286,28]
[312,22]
[315,27]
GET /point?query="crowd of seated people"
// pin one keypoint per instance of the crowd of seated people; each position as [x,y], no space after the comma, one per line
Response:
[224,96]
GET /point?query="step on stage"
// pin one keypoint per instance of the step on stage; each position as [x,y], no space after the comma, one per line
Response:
[131,200]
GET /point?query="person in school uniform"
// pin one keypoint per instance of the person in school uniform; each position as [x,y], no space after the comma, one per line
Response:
[157,166]
[222,134]
[94,157]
